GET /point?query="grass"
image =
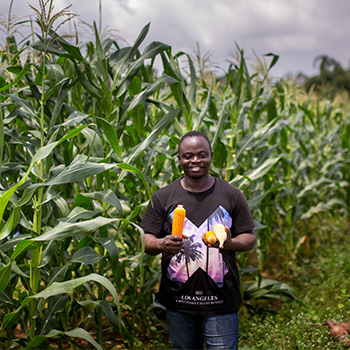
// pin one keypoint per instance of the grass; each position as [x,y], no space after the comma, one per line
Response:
[322,282]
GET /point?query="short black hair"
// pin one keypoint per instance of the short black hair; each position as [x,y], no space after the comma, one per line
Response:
[192,134]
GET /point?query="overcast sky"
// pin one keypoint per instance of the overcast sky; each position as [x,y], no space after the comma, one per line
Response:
[296,30]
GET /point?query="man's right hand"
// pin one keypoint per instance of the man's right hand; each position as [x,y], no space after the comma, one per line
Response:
[171,244]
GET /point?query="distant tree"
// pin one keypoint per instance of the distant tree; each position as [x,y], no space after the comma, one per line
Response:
[332,77]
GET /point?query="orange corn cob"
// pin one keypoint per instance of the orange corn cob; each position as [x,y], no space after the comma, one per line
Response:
[210,237]
[178,220]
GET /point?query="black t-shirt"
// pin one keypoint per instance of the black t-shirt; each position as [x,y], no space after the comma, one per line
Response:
[199,280]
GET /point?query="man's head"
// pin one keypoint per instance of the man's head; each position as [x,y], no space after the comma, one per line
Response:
[195,154]
[193,134]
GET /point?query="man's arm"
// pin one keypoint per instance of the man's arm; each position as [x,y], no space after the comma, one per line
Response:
[170,244]
[240,243]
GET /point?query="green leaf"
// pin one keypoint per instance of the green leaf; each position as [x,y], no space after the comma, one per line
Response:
[263,169]
[121,65]
[40,46]
[107,196]
[58,105]
[12,318]
[73,50]
[322,182]
[42,153]
[57,288]
[56,304]
[79,213]
[206,106]
[47,253]
[112,137]
[131,168]
[72,133]
[66,229]
[94,141]
[77,172]
[13,242]
[151,50]
[101,56]
[15,269]
[5,274]
[55,72]
[58,273]
[2,143]
[109,244]
[20,75]
[53,88]
[222,115]
[59,201]
[24,246]
[148,91]
[24,105]
[86,256]
[107,309]
[75,333]
[193,85]
[270,289]
[252,202]
[81,201]
[274,59]
[90,88]
[161,125]
[6,299]
[321,207]
[11,223]
[7,196]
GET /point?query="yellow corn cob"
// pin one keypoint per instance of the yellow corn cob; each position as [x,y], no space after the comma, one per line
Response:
[210,237]
[220,233]
[178,220]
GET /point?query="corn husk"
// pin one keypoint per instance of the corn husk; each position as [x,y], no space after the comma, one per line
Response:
[220,233]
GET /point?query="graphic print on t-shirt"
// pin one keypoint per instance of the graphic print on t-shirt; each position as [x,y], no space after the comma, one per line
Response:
[195,254]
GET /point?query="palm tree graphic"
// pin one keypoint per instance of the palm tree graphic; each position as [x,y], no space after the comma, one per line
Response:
[189,252]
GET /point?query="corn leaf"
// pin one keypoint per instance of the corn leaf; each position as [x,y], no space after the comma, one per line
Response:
[75,333]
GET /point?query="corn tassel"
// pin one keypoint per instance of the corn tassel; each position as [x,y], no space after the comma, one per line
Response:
[178,220]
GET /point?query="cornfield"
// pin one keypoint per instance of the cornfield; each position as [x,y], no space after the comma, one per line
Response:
[89,130]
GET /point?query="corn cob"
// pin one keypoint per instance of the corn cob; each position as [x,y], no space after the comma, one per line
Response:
[220,232]
[178,220]
[211,237]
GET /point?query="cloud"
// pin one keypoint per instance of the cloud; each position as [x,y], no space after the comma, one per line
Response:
[297,30]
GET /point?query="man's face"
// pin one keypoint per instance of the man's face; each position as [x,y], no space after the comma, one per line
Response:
[195,156]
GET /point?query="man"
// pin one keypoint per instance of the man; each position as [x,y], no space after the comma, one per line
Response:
[200,282]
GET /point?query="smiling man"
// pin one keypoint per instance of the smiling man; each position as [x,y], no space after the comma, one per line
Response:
[200,282]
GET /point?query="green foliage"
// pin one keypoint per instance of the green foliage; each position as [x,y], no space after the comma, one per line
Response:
[322,283]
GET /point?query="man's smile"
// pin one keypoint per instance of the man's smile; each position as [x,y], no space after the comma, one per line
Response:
[196,168]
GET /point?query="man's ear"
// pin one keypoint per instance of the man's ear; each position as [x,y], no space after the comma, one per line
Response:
[178,156]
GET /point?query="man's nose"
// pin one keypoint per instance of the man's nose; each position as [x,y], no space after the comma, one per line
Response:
[195,159]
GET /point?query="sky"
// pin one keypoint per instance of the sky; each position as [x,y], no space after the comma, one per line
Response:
[296,30]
